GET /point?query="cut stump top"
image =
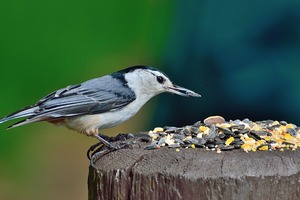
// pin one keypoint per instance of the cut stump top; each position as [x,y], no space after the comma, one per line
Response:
[135,173]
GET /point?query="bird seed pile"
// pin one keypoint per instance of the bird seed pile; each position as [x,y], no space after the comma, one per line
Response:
[214,133]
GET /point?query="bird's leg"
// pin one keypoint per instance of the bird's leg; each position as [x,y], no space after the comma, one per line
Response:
[100,144]
[106,143]
[110,146]
[93,147]
[105,137]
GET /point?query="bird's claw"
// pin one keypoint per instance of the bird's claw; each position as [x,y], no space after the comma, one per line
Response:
[97,155]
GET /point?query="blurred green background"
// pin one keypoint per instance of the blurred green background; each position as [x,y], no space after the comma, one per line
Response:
[243,57]
[47,45]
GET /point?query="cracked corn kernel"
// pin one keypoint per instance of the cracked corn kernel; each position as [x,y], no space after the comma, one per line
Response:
[153,135]
[246,147]
[256,127]
[187,138]
[275,123]
[288,136]
[169,139]
[264,148]
[202,128]
[229,141]
[290,126]
[267,138]
[225,125]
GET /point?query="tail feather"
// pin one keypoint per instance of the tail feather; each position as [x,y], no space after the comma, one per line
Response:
[25,112]
[26,121]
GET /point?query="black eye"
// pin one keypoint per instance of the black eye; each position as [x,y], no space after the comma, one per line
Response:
[160,79]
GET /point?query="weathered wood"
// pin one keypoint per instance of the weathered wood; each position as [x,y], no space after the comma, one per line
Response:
[195,174]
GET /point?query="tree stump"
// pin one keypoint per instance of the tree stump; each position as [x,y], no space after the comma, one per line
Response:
[135,173]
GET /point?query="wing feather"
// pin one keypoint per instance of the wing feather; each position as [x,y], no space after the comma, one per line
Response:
[91,97]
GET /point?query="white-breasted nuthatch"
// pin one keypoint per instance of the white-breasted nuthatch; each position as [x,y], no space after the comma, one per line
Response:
[101,102]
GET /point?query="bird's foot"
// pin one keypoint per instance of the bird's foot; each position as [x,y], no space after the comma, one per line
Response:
[97,155]
[91,151]
[101,151]
[100,146]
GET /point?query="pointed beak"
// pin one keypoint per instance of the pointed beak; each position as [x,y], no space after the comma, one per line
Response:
[175,89]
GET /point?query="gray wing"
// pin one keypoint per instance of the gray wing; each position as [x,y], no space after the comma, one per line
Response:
[91,97]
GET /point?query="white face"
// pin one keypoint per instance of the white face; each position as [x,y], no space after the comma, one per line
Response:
[150,83]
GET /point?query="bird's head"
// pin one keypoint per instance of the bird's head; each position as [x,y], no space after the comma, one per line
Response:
[145,80]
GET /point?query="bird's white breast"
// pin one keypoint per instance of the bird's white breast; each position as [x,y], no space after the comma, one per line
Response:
[90,124]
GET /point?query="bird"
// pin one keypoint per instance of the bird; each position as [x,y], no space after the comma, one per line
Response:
[100,103]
